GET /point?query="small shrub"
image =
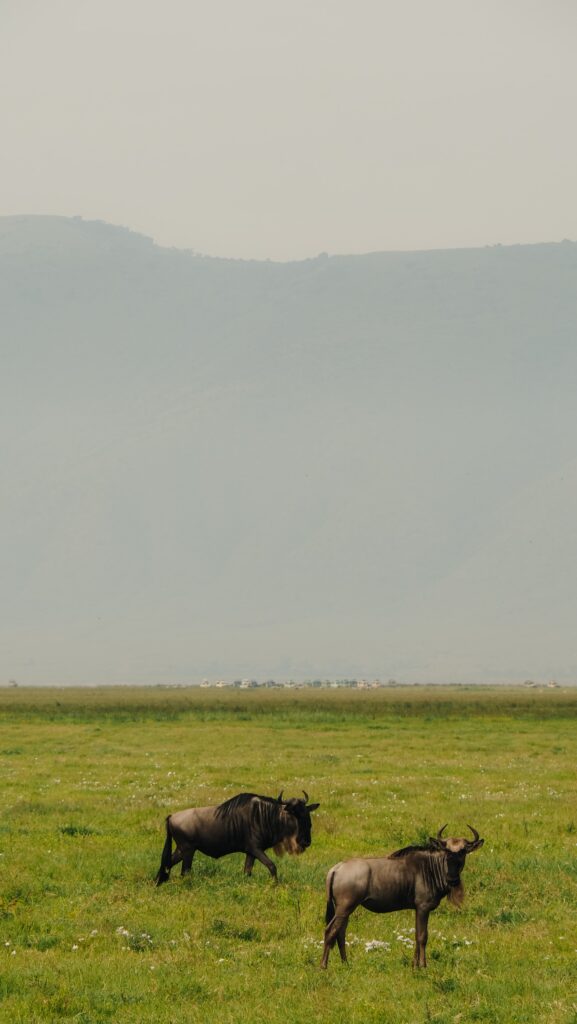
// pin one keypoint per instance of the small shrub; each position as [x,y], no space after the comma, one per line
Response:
[507,916]
[446,985]
[77,830]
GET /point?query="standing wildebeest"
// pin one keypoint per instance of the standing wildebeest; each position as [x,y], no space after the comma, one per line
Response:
[246,823]
[415,878]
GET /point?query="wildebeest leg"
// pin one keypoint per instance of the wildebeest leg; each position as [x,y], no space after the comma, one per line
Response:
[176,857]
[248,864]
[341,939]
[261,856]
[187,861]
[421,935]
[335,931]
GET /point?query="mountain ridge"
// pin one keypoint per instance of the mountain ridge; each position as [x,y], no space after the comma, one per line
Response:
[235,467]
[18,227]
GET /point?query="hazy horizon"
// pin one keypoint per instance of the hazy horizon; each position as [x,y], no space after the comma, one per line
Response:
[148,237]
[260,131]
[288,361]
[348,466]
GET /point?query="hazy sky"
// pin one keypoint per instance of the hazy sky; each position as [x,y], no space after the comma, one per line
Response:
[256,128]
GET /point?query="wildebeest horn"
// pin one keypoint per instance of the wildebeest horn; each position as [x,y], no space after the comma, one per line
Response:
[440,832]
[475,833]
[306,796]
[279,797]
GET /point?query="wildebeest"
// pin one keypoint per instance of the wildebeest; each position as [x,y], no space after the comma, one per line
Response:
[246,823]
[416,877]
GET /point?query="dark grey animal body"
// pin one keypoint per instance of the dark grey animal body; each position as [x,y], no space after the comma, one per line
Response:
[247,823]
[414,878]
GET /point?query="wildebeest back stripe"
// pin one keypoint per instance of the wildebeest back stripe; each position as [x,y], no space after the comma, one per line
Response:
[266,816]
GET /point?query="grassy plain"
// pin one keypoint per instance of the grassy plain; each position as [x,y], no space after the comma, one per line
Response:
[89,775]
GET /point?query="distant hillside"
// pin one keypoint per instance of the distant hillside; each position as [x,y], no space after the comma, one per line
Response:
[341,466]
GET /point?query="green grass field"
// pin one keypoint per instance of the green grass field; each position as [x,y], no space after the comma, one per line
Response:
[89,776]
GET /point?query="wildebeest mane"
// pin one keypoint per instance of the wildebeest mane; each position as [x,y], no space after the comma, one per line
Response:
[227,808]
[406,850]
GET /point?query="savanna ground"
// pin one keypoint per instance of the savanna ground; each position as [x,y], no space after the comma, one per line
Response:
[89,775]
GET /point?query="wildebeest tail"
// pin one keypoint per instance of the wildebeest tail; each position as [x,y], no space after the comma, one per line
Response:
[330,911]
[166,858]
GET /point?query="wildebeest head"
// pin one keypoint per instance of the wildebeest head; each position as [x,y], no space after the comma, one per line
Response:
[299,818]
[456,848]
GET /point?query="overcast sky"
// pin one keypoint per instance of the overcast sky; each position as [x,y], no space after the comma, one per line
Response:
[254,128]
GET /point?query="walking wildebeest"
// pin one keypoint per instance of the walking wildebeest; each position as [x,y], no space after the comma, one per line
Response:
[414,878]
[246,823]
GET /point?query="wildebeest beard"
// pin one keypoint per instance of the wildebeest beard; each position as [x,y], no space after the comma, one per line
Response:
[456,894]
[288,845]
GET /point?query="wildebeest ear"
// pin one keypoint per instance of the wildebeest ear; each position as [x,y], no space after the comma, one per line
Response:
[436,844]
[476,845]
[312,807]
